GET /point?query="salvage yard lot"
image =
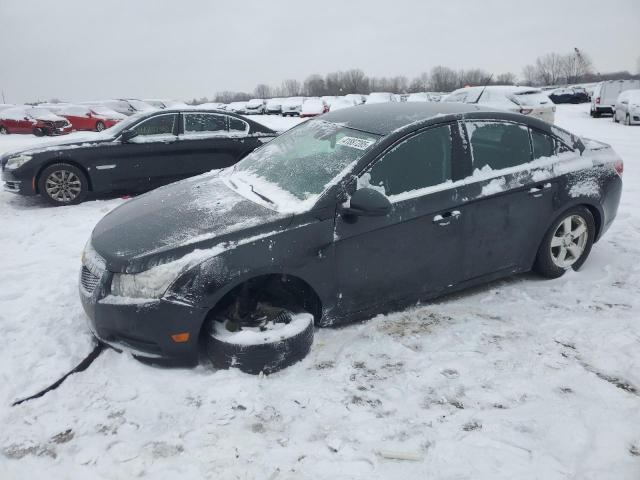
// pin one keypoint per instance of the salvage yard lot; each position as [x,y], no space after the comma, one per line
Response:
[523,378]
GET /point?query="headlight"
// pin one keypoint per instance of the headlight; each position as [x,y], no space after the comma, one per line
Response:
[17,161]
[150,284]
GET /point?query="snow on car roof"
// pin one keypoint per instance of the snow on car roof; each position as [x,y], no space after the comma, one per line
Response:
[384,118]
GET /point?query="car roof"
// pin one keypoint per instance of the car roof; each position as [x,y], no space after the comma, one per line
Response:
[384,118]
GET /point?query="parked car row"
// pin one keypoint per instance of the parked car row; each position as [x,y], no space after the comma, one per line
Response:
[606,94]
[573,94]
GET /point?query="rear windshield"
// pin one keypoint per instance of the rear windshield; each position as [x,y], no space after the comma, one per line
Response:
[529,99]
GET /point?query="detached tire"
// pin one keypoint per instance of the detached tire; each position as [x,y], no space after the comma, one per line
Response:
[63,184]
[566,244]
[253,351]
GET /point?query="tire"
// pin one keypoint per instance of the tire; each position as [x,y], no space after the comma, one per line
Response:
[615,118]
[596,114]
[38,132]
[550,261]
[74,184]
[99,126]
[627,120]
[4,131]
[252,354]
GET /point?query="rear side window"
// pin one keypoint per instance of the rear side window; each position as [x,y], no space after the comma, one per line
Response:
[498,145]
[237,125]
[421,161]
[543,145]
[204,123]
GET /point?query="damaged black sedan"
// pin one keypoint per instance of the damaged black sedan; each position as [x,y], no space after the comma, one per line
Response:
[357,212]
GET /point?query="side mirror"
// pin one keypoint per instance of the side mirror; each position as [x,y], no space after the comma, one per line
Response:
[368,202]
[127,136]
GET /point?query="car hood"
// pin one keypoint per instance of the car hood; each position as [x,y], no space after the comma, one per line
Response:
[60,145]
[168,223]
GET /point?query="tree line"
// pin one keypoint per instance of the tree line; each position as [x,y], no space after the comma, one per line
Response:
[550,69]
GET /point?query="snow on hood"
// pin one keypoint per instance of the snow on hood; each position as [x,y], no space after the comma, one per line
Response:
[313,106]
[170,222]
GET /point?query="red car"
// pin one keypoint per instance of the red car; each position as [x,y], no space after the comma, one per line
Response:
[38,121]
[90,118]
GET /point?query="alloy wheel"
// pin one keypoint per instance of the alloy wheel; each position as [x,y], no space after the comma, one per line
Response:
[569,241]
[99,127]
[63,186]
[3,131]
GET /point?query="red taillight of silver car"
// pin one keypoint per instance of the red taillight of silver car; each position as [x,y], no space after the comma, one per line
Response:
[619,167]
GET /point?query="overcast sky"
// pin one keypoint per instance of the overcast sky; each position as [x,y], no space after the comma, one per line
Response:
[78,49]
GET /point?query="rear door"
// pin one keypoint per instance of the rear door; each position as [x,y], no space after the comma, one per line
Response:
[205,143]
[510,200]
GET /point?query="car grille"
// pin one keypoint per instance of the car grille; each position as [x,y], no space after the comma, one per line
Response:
[60,124]
[88,280]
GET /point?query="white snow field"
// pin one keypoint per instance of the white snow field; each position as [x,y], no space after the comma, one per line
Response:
[520,379]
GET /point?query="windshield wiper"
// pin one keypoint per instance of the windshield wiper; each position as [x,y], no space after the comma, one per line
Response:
[266,199]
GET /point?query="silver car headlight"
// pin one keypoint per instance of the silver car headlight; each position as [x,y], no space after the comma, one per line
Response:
[150,284]
[17,161]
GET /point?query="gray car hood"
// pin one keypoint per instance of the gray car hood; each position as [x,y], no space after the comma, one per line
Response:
[172,221]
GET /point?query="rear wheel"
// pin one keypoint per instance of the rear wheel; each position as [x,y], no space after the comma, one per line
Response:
[99,126]
[63,184]
[4,131]
[566,244]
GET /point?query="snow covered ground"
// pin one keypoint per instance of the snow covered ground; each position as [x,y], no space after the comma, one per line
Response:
[521,379]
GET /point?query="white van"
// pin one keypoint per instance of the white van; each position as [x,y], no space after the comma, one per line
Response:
[606,93]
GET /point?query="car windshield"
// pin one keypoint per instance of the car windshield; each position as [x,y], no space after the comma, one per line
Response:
[140,105]
[293,169]
[36,112]
[102,111]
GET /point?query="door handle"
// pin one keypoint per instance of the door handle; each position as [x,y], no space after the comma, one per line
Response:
[445,218]
[538,190]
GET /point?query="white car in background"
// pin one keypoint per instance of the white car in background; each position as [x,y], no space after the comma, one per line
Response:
[124,106]
[357,98]
[274,106]
[605,94]
[381,97]
[342,102]
[256,106]
[627,107]
[163,103]
[238,107]
[423,97]
[210,106]
[313,107]
[292,106]
[525,100]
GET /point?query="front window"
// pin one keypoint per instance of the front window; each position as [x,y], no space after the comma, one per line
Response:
[300,164]
[422,161]
[155,126]
[530,99]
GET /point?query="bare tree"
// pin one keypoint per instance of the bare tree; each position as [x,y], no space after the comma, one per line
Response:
[575,66]
[529,75]
[314,85]
[355,81]
[334,83]
[443,79]
[290,88]
[549,68]
[506,78]
[262,91]
[420,83]
[473,77]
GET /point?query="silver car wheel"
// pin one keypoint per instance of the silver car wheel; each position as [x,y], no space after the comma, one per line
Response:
[569,241]
[63,186]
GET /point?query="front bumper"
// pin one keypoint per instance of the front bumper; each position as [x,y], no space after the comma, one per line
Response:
[17,185]
[142,327]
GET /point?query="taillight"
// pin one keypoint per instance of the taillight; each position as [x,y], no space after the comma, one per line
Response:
[526,111]
[619,166]
[597,99]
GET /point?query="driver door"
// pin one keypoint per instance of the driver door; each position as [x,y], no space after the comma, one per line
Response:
[418,248]
[148,160]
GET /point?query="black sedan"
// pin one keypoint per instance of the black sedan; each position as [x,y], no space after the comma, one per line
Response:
[143,152]
[356,212]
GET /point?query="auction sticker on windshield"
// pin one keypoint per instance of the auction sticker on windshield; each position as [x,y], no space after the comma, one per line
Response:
[353,142]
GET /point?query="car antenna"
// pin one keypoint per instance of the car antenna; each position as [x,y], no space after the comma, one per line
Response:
[484,88]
